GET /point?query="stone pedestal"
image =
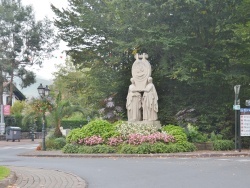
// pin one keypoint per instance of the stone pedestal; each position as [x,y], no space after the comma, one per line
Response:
[157,124]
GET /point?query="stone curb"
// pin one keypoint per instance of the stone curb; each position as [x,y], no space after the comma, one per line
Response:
[171,155]
[11,179]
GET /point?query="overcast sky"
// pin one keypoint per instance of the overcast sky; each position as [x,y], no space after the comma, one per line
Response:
[42,9]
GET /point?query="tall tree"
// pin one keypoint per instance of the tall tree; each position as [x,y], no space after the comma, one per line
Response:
[197,50]
[23,42]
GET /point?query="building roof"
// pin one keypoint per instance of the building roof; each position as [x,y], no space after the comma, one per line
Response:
[18,94]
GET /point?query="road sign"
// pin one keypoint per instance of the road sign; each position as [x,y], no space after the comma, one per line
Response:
[245,122]
[236,107]
[2,128]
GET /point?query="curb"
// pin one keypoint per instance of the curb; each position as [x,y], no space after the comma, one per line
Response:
[11,179]
[170,155]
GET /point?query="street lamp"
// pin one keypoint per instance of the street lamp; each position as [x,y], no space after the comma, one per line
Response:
[237,108]
[43,92]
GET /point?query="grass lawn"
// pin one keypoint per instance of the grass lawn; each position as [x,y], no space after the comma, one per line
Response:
[4,172]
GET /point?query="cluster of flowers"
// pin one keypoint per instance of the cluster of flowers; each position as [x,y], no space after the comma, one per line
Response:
[114,141]
[126,129]
[90,141]
[133,139]
[136,139]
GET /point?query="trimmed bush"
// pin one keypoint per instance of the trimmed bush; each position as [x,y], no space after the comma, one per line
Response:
[221,145]
[55,143]
[101,128]
[176,131]
[73,124]
[60,142]
[158,147]
[75,135]
[194,135]
[70,148]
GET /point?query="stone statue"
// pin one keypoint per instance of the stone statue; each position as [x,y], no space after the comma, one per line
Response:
[141,70]
[133,104]
[150,102]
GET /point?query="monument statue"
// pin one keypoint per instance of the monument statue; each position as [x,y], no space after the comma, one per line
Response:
[133,104]
[142,83]
[141,70]
[150,102]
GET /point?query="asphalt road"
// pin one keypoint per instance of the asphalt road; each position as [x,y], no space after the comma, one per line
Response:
[141,172]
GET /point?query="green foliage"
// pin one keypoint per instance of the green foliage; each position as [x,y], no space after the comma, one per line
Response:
[221,145]
[128,149]
[96,149]
[215,137]
[55,143]
[72,124]
[23,42]
[75,135]
[17,107]
[96,127]
[176,131]
[194,135]
[99,127]
[158,147]
[62,108]
[70,148]
[196,48]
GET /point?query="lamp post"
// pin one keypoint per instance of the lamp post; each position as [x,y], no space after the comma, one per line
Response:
[43,92]
[237,108]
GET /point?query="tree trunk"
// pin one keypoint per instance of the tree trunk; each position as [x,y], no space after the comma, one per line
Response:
[1,86]
[11,84]
[58,132]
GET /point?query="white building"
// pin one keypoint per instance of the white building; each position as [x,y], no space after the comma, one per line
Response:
[17,95]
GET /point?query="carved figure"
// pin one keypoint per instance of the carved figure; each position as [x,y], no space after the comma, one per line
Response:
[141,70]
[133,104]
[150,102]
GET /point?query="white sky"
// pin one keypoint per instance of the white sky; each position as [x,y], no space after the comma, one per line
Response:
[42,9]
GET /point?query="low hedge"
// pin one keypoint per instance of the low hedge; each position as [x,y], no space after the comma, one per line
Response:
[222,145]
[73,124]
[145,148]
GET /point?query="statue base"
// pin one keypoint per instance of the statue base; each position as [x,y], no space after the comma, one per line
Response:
[157,124]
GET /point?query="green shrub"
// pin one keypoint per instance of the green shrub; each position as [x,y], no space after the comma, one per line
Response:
[60,142]
[50,144]
[186,146]
[70,148]
[55,143]
[103,149]
[144,148]
[221,145]
[176,131]
[214,137]
[194,135]
[128,149]
[73,124]
[158,147]
[99,127]
[75,135]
